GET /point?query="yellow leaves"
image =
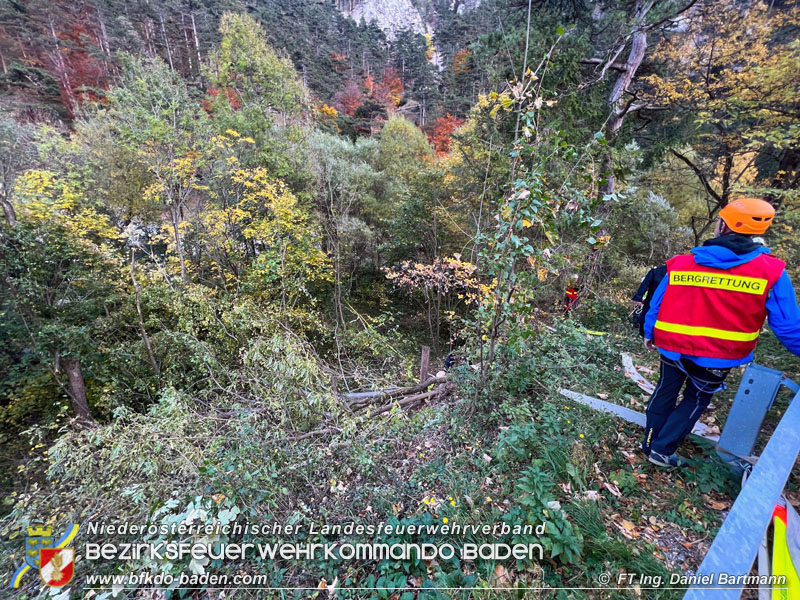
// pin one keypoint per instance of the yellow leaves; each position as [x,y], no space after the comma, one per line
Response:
[152,194]
[268,214]
[37,194]
[329,111]
[541,273]
[449,276]
[526,223]
[497,102]
[732,70]
[89,221]
[185,167]
[44,197]
[430,49]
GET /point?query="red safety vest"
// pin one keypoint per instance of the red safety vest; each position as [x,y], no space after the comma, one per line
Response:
[715,313]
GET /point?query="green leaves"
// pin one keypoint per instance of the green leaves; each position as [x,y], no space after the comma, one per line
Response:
[246,70]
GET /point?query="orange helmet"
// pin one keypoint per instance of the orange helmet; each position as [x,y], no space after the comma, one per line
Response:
[748,215]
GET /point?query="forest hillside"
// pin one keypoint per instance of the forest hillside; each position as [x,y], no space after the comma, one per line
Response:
[317,263]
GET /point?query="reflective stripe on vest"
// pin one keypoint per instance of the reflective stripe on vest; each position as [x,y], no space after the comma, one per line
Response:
[720,334]
[712,312]
[782,565]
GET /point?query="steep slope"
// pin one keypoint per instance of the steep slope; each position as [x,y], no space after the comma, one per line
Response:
[391,16]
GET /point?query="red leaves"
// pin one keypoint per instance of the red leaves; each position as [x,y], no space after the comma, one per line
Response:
[441,132]
[460,61]
[348,99]
[212,93]
[388,90]
[339,61]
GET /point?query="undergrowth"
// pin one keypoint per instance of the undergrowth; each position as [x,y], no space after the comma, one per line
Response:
[523,455]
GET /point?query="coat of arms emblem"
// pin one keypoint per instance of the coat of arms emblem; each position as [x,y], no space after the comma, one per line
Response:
[39,537]
[48,555]
[57,566]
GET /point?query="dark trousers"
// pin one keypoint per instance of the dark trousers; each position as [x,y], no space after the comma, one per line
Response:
[667,424]
[640,315]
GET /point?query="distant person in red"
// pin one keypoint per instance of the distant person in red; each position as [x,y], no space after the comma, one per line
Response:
[570,296]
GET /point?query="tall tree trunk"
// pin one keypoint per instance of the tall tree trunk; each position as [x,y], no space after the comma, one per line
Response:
[196,44]
[727,169]
[179,242]
[77,387]
[8,210]
[61,66]
[620,108]
[103,34]
[148,35]
[145,338]
[338,274]
[166,41]
[188,44]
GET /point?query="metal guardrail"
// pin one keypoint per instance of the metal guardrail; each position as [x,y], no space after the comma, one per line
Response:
[736,544]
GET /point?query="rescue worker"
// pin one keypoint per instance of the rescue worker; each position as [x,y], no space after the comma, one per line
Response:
[643,296]
[570,296]
[705,318]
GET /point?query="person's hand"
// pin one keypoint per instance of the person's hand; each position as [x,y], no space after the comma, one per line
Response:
[638,303]
[649,345]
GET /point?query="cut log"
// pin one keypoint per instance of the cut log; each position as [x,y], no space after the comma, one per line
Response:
[361,399]
[410,401]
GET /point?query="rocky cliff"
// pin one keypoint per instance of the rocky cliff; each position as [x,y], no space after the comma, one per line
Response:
[398,15]
[390,15]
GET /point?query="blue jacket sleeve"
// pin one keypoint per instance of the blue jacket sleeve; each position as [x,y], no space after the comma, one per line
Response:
[784,315]
[655,304]
[639,295]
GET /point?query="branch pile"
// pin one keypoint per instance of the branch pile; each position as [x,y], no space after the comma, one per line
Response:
[405,397]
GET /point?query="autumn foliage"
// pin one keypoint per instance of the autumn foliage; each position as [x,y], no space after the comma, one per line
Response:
[388,91]
[348,99]
[213,93]
[63,51]
[460,61]
[441,132]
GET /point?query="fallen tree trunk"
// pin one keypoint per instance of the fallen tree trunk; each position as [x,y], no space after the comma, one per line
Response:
[410,401]
[405,403]
[360,400]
